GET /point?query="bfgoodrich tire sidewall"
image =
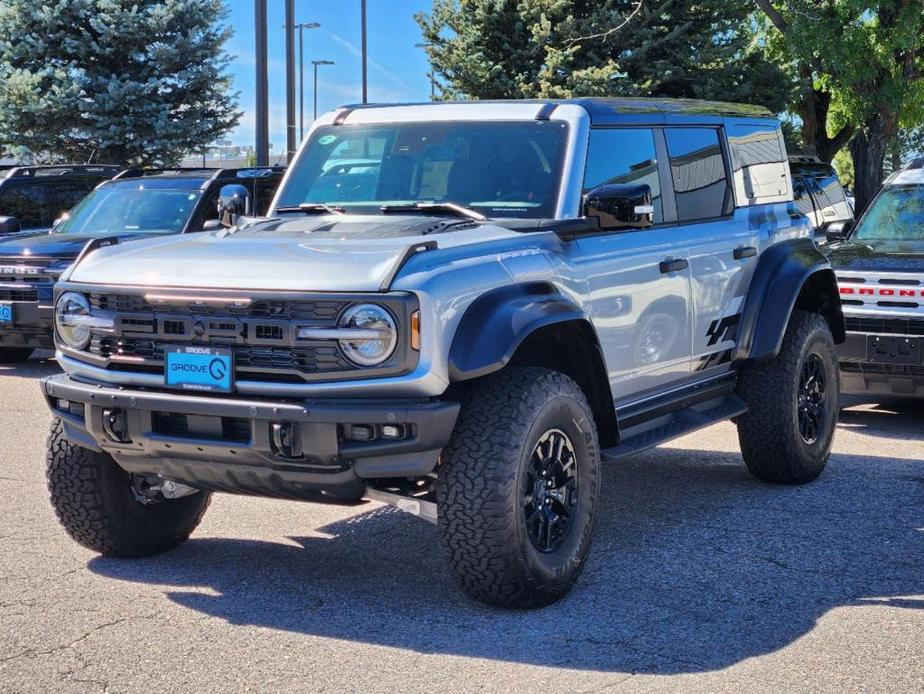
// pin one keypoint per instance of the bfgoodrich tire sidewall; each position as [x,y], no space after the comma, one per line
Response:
[561,565]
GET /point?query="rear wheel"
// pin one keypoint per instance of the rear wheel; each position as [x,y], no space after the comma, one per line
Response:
[14,355]
[517,488]
[110,511]
[787,432]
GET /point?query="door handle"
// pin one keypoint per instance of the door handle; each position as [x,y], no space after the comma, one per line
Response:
[673,265]
[744,252]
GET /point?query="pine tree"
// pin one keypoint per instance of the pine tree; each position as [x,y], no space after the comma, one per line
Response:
[563,48]
[113,81]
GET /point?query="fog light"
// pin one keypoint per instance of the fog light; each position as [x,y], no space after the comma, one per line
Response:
[362,432]
[392,431]
[64,405]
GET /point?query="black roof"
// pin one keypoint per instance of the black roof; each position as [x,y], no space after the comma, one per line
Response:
[52,170]
[189,178]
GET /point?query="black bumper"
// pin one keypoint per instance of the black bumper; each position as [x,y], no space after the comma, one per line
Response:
[865,371]
[228,443]
[31,327]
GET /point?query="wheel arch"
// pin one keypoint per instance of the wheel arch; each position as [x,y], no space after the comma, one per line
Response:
[535,325]
[790,275]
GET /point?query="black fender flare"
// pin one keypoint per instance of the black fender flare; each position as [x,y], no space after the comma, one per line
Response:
[497,322]
[782,272]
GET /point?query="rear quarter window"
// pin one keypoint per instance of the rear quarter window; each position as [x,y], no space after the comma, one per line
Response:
[760,168]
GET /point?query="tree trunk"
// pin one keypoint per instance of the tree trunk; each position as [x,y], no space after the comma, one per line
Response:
[868,148]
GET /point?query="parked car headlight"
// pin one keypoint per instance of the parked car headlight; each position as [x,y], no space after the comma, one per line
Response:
[374,334]
[72,314]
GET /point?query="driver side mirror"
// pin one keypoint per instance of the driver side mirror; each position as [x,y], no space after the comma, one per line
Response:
[837,231]
[620,206]
[9,225]
[233,201]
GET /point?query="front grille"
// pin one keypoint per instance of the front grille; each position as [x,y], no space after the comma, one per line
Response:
[22,279]
[311,310]
[311,358]
[885,326]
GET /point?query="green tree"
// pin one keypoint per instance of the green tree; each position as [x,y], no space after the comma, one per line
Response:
[869,57]
[115,81]
[562,48]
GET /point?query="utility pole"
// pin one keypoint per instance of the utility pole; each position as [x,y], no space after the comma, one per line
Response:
[262,83]
[290,80]
[365,81]
[301,75]
[316,63]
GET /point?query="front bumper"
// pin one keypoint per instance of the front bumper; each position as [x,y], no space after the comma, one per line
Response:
[864,373]
[234,444]
[32,326]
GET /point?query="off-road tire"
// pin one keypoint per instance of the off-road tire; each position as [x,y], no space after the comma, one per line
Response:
[771,443]
[94,501]
[483,471]
[15,355]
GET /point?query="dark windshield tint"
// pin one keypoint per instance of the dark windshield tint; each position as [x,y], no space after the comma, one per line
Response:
[500,169]
[896,215]
[137,210]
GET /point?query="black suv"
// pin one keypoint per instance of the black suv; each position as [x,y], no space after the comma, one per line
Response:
[33,197]
[136,203]
[880,272]
[819,195]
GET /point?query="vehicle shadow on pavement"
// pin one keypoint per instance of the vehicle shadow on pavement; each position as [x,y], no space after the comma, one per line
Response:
[39,365]
[695,567]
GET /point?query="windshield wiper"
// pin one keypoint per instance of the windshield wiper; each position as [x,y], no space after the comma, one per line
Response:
[313,208]
[437,208]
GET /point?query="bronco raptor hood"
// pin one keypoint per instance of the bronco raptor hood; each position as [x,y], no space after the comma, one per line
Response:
[329,253]
[878,256]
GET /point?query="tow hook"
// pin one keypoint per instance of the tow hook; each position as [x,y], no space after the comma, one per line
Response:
[287,440]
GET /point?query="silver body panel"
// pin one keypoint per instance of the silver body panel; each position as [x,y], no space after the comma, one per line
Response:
[614,278]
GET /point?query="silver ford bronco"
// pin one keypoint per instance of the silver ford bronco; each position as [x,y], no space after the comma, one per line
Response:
[459,309]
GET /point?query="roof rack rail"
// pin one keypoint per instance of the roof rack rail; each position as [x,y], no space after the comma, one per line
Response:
[208,172]
[58,170]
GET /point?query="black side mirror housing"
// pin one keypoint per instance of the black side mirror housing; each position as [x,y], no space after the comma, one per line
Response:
[620,206]
[233,201]
[9,225]
[837,231]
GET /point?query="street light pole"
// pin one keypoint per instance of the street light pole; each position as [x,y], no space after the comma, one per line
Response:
[316,63]
[262,85]
[365,81]
[301,74]
[290,79]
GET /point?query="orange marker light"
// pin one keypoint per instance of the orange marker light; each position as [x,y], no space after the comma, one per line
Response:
[415,330]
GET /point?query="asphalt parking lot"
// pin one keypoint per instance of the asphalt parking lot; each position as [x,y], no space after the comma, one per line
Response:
[701,579]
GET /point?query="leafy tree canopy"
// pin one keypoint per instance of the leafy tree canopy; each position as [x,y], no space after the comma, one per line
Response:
[120,81]
[562,48]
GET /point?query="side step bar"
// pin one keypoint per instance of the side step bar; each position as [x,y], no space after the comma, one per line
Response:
[663,421]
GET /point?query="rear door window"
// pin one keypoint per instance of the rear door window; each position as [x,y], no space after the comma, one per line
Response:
[698,171]
[624,156]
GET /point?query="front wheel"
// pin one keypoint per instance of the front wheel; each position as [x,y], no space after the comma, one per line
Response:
[517,488]
[105,509]
[793,403]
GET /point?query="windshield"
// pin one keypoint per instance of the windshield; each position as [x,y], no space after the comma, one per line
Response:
[896,215]
[500,169]
[131,210]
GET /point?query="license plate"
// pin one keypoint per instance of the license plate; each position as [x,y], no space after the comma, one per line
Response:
[6,313]
[208,369]
[893,349]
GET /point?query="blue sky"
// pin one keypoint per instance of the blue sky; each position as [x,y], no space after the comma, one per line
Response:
[397,70]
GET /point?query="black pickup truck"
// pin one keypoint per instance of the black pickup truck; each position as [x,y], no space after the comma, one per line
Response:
[880,272]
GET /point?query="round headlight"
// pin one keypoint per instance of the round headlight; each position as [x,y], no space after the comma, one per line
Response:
[376,334]
[74,334]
